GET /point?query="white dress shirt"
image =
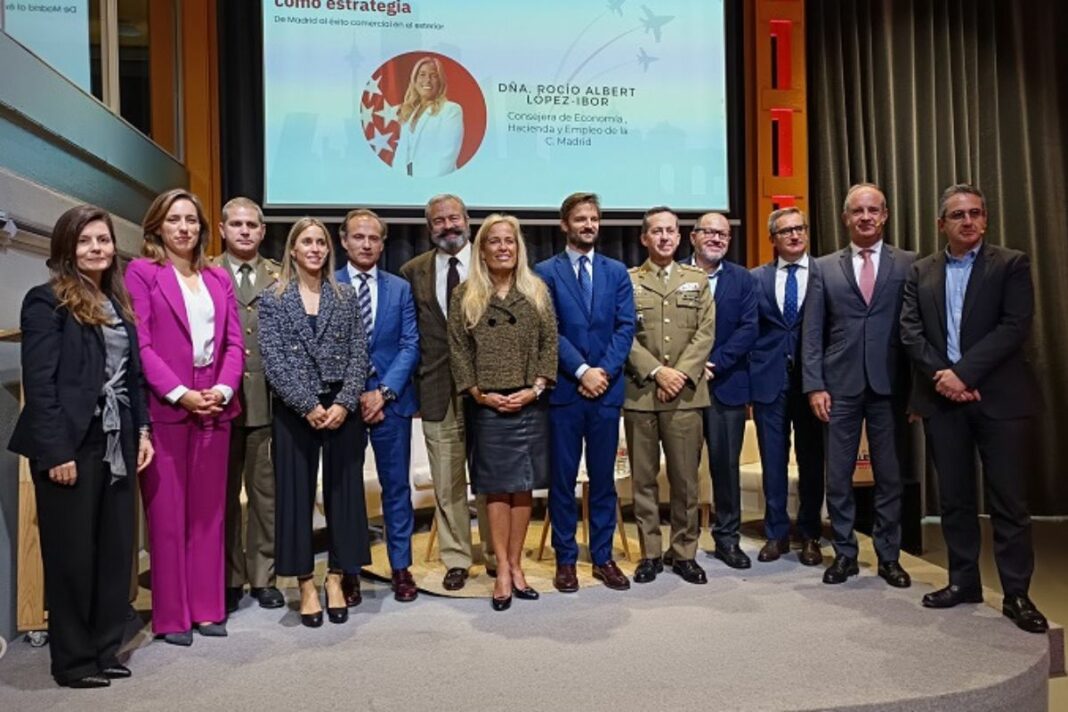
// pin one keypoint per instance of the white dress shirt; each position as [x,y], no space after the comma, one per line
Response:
[802,280]
[858,261]
[441,273]
[372,284]
[200,311]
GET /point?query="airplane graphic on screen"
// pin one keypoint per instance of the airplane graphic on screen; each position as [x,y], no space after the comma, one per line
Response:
[653,23]
[645,59]
[617,6]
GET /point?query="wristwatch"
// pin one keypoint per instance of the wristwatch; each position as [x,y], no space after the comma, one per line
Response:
[388,394]
[538,390]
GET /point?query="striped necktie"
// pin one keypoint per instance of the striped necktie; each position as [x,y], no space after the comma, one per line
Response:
[363,300]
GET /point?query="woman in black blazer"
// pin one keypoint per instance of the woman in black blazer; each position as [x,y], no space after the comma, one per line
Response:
[315,358]
[85,431]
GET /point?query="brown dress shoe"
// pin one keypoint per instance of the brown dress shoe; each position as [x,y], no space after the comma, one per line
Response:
[404,589]
[455,579]
[611,575]
[810,554]
[773,549]
[566,580]
[350,587]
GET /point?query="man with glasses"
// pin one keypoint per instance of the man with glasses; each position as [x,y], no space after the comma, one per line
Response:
[853,371]
[734,293]
[387,315]
[433,276]
[965,323]
[779,404]
[665,394]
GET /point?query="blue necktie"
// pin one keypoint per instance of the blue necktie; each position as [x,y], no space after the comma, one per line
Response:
[584,283]
[789,302]
[363,300]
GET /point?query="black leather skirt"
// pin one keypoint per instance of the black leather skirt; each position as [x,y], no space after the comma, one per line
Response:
[507,452]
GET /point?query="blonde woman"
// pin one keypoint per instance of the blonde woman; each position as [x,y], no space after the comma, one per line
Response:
[315,358]
[432,127]
[503,347]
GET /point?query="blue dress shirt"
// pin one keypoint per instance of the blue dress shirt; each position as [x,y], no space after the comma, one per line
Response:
[958,272]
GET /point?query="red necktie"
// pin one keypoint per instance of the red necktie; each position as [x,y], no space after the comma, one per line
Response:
[867,275]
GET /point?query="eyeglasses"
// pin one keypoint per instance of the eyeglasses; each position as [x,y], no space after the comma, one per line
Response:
[958,215]
[712,232]
[792,230]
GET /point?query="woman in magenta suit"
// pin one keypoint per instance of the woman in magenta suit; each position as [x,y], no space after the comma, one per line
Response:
[193,356]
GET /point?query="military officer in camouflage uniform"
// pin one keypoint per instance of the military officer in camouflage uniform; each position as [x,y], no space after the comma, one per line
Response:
[249,554]
[666,391]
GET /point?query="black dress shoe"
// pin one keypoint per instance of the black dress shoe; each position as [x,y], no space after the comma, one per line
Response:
[268,597]
[526,594]
[116,671]
[501,604]
[613,578]
[773,549]
[566,579]
[311,620]
[1023,612]
[350,587]
[952,595]
[647,570]
[233,597]
[841,569]
[893,574]
[689,571]
[810,554]
[455,579]
[212,630]
[184,638]
[87,682]
[733,556]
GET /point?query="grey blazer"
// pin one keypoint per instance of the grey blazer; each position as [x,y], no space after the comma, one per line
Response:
[301,364]
[847,345]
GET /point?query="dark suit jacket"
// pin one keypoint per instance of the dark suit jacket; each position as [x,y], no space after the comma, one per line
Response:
[995,325]
[394,348]
[847,345]
[434,384]
[736,333]
[63,365]
[601,338]
[777,342]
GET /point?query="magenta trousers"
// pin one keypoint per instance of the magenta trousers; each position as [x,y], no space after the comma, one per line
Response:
[184,491]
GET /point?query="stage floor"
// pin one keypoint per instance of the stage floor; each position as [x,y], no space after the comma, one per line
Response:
[770,638]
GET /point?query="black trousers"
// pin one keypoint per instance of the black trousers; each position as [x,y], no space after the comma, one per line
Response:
[724,431]
[1006,450]
[86,541]
[295,448]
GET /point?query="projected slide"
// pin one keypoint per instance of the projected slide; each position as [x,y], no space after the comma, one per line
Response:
[57,32]
[508,104]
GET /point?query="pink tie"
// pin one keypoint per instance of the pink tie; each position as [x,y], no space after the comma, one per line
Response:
[867,276]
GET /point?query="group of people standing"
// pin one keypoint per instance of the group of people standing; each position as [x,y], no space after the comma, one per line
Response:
[209,376]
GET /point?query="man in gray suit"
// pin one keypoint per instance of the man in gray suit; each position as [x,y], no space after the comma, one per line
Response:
[853,364]
[433,276]
[249,553]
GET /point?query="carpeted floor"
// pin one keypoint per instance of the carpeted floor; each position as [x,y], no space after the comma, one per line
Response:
[771,638]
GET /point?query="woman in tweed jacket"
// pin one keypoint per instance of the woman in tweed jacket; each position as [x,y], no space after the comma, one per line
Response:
[315,358]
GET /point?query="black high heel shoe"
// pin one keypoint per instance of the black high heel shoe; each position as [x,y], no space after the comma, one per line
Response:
[501,604]
[525,594]
[336,615]
[311,620]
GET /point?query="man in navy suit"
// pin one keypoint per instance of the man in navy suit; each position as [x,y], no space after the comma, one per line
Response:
[387,313]
[734,292]
[594,304]
[778,401]
[853,367]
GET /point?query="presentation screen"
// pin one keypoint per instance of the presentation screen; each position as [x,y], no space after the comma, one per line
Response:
[511,105]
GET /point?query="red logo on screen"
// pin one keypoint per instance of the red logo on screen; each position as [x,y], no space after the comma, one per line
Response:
[423,114]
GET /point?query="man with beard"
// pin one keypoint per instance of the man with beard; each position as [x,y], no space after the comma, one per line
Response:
[666,392]
[965,322]
[594,304]
[734,293]
[433,276]
[778,401]
[852,369]
[249,553]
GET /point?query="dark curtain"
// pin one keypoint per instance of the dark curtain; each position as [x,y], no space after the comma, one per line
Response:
[916,95]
